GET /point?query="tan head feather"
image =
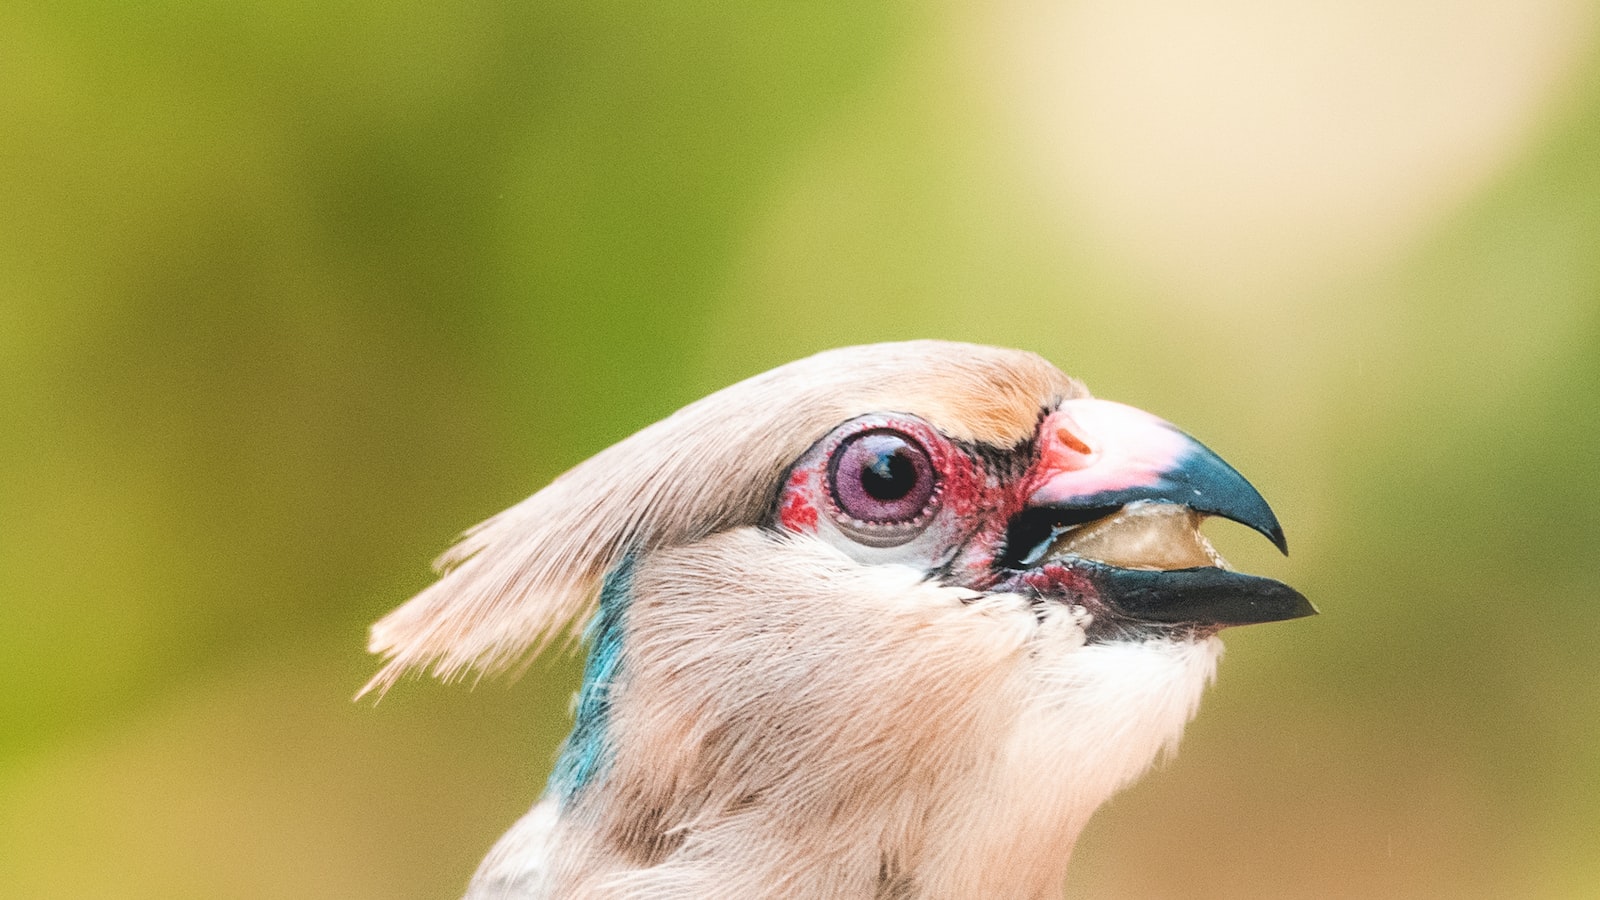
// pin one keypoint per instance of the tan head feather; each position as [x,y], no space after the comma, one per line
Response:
[514,581]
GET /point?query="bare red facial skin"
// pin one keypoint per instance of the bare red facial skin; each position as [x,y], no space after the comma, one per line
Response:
[807,494]
[1055,581]
[796,512]
[973,565]
[973,504]
[966,490]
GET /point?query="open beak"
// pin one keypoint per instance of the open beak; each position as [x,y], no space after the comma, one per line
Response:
[1125,493]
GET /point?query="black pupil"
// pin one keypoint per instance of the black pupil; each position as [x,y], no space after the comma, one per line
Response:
[890,476]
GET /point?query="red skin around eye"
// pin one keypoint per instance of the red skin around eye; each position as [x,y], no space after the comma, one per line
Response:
[974,504]
[797,512]
[982,505]
[963,489]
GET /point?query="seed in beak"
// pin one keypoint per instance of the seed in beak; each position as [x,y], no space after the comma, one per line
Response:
[1143,535]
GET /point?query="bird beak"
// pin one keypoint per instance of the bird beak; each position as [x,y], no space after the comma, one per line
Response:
[1127,492]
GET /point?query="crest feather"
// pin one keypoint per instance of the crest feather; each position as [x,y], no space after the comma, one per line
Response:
[519,579]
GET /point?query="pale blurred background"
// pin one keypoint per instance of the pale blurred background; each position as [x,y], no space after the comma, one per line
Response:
[292,292]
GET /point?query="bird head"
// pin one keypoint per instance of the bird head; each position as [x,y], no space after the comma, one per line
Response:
[891,620]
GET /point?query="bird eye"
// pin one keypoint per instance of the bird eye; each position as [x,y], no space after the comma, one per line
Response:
[882,477]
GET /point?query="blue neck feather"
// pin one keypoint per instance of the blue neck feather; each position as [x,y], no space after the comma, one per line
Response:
[588,748]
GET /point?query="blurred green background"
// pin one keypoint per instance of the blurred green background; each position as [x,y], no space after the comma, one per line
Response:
[290,293]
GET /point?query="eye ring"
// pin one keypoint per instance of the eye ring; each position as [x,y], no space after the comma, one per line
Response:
[883,484]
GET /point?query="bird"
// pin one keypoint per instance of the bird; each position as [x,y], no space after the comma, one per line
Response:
[887,622]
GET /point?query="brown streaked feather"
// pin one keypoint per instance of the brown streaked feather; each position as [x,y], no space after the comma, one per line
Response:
[520,578]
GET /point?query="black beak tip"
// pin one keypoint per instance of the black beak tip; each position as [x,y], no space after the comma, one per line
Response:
[1205,482]
[1289,603]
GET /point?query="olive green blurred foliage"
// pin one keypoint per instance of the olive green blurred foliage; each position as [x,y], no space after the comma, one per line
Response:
[291,293]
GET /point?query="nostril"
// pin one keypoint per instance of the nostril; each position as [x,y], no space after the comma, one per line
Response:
[1067,446]
[1072,441]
